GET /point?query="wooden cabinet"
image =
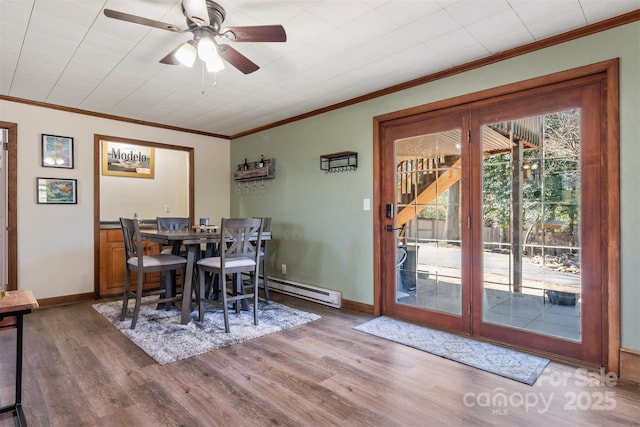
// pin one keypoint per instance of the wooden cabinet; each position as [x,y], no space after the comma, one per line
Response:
[112,258]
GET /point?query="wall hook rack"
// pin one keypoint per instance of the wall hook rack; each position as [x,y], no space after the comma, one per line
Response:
[339,162]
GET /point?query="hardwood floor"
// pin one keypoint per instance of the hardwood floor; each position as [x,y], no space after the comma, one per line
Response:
[81,371]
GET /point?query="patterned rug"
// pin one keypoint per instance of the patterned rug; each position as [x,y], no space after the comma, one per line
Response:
[160,334]
[512,364]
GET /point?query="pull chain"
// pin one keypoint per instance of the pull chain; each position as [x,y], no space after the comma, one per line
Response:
[214,84]
[203,74]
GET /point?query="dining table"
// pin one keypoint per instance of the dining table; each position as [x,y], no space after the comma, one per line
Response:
[193,240]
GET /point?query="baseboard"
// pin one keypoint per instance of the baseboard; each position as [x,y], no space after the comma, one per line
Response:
[630,365]
[66,299]
[357,306]
[324,296]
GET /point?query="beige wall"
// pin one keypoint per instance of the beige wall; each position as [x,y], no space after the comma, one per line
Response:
[125,196]
[55,242]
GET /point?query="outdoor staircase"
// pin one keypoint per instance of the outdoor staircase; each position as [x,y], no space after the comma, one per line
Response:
[418,183]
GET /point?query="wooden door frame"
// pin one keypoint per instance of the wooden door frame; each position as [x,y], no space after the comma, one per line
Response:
[437,121]
[12,205]
[610,221]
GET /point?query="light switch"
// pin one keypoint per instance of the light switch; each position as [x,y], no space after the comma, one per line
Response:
[366,204]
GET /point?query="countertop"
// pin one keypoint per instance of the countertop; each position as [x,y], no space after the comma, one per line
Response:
[144,223]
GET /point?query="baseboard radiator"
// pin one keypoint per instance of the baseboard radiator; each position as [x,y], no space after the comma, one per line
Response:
[308,292]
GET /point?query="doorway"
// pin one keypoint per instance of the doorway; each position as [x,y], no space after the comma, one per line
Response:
[8,194]
[496,211]
[120,195]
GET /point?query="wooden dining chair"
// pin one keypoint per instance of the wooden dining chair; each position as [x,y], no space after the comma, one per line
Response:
[166,223]
[135,260]
[262,257]
[173,223]
[240,242]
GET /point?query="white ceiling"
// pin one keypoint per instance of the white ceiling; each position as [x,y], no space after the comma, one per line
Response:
[66,52]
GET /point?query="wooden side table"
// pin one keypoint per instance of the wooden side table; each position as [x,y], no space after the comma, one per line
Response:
[15,304]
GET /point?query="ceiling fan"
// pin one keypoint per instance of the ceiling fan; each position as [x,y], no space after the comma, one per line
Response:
[204,20]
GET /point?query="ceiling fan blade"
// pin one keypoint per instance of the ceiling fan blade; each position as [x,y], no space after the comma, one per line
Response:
[237,59]
[196,11]
[142,21]
[256,33]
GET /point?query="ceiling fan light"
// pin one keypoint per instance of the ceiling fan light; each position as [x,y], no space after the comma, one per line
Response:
[215,65]
[186,54]
[207,50]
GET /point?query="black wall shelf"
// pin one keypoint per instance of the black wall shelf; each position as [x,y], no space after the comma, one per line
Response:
[341,161]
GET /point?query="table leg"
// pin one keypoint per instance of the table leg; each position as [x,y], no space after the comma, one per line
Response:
[188,282]
[265,275]
[212,280]
[20,421]
[17,406]
[20,324]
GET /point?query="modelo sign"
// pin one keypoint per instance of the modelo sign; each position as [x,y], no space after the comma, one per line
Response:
[121,159]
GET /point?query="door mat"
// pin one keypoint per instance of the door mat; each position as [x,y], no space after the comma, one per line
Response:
[507,363]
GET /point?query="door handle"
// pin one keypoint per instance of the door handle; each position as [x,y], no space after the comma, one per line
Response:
[392,228]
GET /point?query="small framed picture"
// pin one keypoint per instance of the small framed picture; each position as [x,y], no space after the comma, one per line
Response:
[57,191]
[57,151]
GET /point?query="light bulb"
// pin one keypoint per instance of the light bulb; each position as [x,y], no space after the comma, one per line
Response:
[215,65]
[207,50]
[186,54]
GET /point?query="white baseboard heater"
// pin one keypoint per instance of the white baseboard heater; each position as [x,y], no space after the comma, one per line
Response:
[308,292]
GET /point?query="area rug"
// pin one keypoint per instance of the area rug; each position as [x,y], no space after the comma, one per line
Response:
[511,364]
[160,334]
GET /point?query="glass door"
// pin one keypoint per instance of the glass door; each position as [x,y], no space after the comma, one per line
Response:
[531,224]
[429,242]
[492,220]
[428,235]
[536,220]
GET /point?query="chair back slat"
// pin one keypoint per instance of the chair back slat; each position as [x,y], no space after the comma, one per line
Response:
[266,224]
[266,227]
[132,239]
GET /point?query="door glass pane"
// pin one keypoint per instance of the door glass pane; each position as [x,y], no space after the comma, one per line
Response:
[428,219]
[531,224]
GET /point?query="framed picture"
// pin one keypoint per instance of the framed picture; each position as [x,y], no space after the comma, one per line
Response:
[57,191]
[122,159]
[57,151]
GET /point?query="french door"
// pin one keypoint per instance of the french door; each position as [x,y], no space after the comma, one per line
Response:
[426,176]
[492,219]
